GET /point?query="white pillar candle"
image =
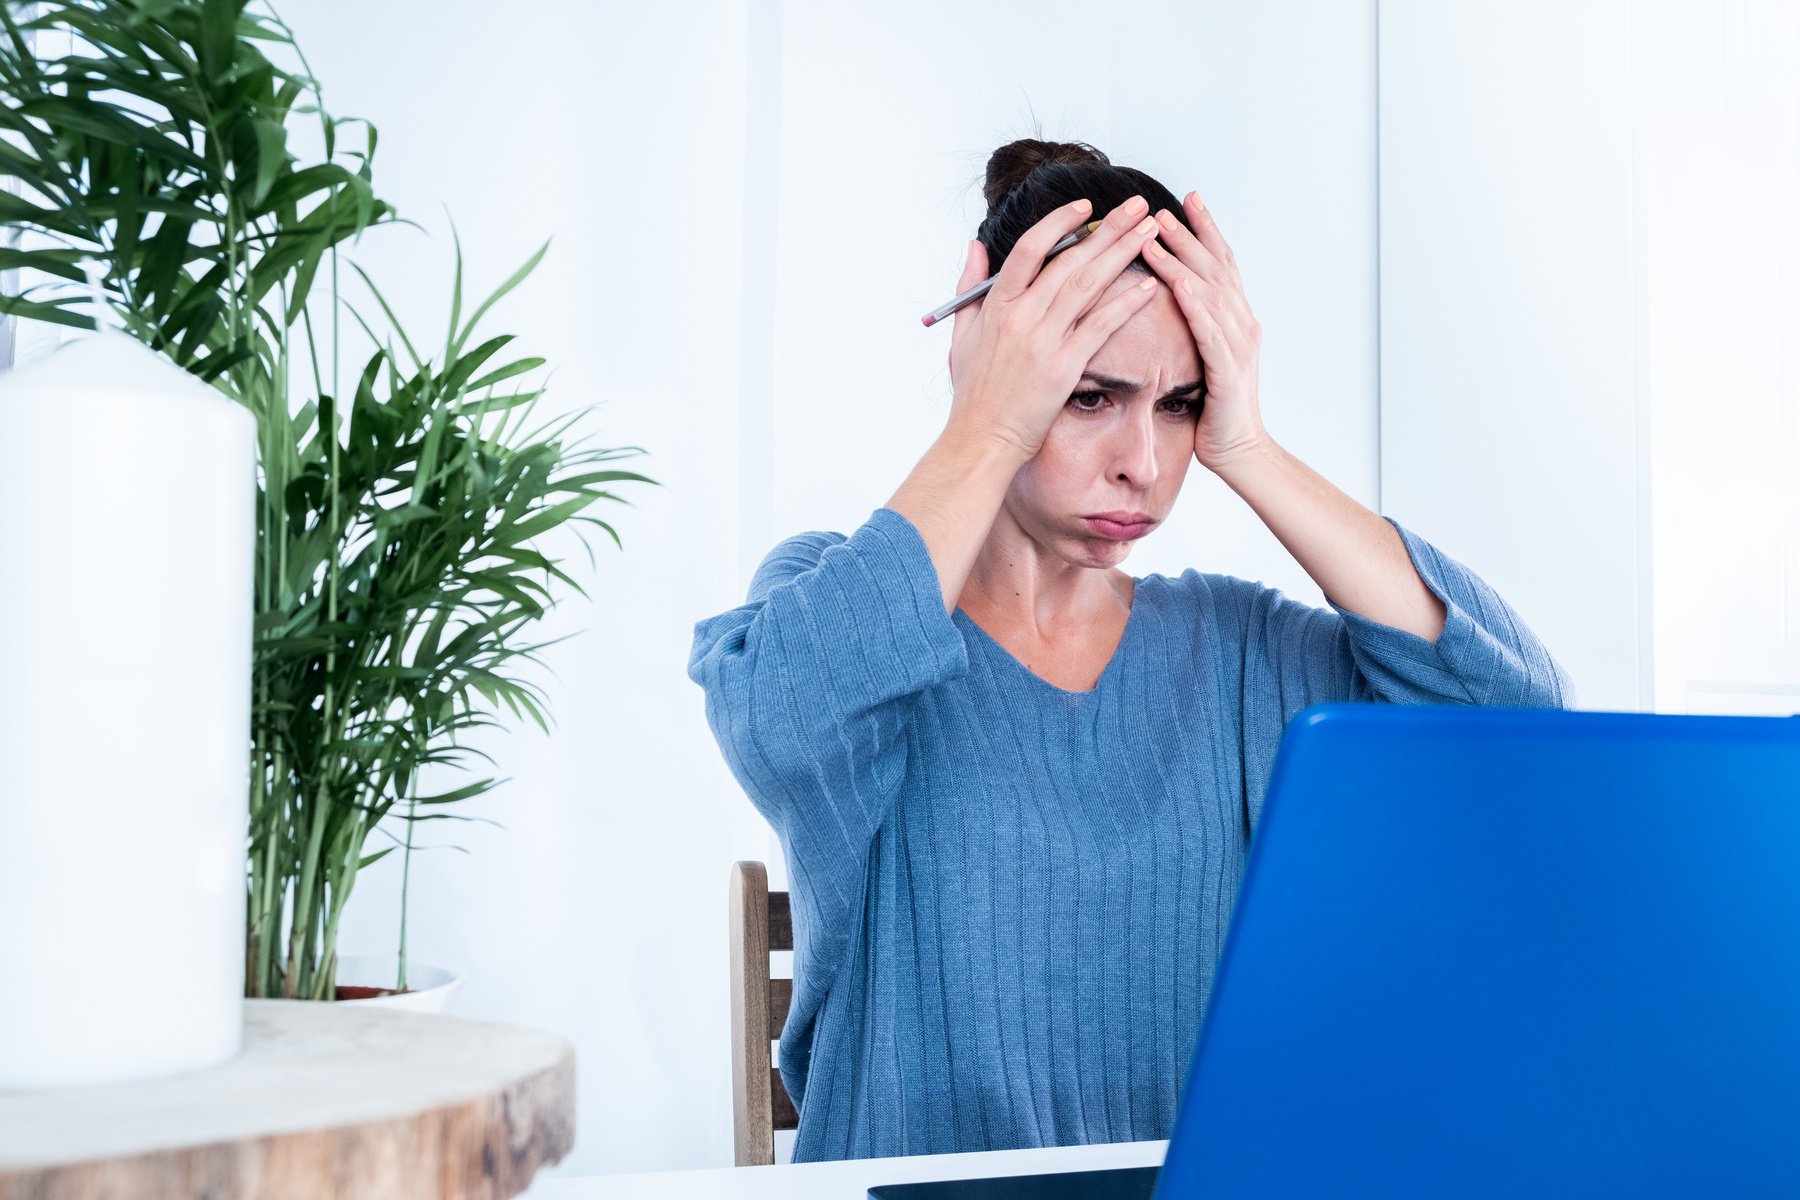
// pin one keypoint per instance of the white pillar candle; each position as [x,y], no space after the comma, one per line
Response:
[127,529]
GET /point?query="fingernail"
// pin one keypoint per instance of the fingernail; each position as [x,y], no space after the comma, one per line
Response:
[1083,205]
[1168,220]
[1154,249]
[1148,283]
[1145,226]
[1136,204]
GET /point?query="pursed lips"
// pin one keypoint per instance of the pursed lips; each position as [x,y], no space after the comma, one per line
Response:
[1120,525]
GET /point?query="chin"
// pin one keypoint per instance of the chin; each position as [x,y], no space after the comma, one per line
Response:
[1102,552]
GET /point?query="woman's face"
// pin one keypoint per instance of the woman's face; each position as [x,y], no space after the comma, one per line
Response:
[1121,444]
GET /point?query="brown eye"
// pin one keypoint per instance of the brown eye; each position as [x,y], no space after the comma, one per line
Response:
[1075,397]
[1189,407]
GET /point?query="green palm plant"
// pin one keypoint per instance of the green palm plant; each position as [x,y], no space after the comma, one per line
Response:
[398,565]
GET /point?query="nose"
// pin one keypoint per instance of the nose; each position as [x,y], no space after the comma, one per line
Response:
[1132,448]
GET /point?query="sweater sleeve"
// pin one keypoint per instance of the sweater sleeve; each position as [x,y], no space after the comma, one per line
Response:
[1296,656]
[809,688]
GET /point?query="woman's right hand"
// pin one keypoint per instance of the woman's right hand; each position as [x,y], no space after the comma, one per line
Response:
[1018,352]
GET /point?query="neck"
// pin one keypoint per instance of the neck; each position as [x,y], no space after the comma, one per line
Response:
[1020,583]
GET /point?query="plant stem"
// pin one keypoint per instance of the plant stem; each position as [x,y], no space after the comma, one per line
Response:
[270,932]
[300,964]
[412,808]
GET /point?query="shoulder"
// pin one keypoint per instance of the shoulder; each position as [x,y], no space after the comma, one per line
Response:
[1206,593]
[887,545]
[792,556]
[1241,611]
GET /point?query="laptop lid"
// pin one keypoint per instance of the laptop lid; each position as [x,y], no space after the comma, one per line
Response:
[1493,952]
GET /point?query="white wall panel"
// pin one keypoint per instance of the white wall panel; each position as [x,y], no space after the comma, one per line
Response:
[1511,428]
[1719,108]
[598,911]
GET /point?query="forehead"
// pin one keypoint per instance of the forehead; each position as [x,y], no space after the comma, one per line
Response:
[1154,344]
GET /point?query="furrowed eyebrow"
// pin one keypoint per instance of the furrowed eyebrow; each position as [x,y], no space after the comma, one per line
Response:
[1112,384]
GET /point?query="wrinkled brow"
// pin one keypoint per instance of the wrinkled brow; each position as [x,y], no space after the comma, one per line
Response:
[1113,384]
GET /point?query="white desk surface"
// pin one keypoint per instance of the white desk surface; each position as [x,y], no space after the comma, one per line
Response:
[847,1180]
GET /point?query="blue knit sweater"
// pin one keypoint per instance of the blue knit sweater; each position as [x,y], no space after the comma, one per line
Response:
[1009,898]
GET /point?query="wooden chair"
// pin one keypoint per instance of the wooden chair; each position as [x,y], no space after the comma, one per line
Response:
[760,923]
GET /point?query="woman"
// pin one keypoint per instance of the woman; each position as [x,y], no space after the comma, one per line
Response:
[1014,784]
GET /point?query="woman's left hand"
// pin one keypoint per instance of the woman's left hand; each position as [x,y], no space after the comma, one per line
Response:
[1202,274]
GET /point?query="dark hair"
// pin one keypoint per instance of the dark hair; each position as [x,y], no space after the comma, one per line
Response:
[1026,179]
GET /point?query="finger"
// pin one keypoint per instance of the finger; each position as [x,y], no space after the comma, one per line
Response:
[1103,320]
[1079,285]
[1170,269]
[1118,224]
[1180,241]
[974,267]
[1189,286]
[1209,308]
[974,271]
[1027,256]
[1211,335]
[1223,300]
[1206,230]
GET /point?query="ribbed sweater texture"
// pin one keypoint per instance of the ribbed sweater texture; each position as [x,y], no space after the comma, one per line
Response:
[1009,898]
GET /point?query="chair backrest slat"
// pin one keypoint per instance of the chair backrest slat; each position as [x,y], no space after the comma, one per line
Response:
[781,998]
[784,1115]
[761,923]
[781,922]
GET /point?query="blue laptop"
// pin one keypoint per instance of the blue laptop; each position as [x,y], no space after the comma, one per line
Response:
[1498,952]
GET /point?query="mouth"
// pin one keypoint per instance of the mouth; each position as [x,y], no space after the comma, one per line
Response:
[1120,526]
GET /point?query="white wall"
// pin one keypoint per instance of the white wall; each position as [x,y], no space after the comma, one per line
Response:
[1719,108]
[599,911]
[1509,406]
[1588,336]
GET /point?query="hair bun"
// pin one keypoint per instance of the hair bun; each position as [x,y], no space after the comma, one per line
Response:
[1009,165]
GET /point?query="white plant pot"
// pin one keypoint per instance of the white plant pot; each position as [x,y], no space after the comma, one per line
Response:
[430,988]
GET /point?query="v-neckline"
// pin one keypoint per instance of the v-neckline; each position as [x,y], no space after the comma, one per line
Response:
[1112,664]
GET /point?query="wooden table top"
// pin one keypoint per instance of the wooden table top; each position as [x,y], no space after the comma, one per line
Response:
[324,1100]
